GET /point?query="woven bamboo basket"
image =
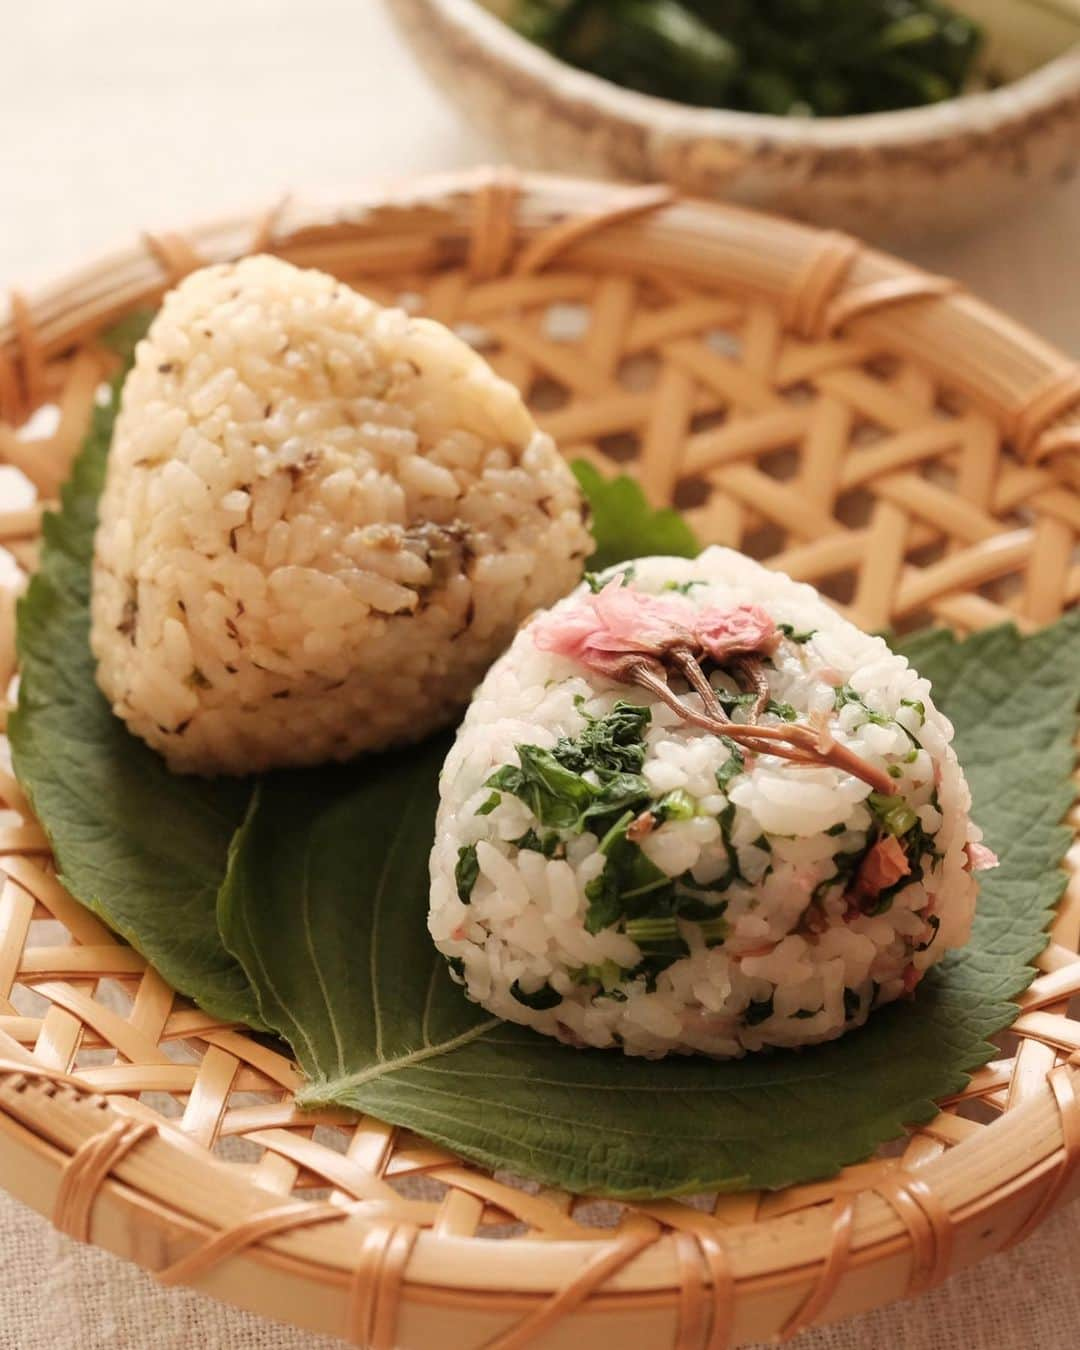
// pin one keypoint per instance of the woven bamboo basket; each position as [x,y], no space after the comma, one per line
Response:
[862,425]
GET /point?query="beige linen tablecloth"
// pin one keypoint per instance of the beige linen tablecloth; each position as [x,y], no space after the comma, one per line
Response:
[120,115]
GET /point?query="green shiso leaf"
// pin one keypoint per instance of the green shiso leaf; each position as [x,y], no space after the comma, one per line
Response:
[325,901]
[344,967]
[126,334]
[140,846]
[625,526]
[349,976]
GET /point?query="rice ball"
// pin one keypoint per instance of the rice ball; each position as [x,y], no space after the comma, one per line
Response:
[694,809]
[322,520]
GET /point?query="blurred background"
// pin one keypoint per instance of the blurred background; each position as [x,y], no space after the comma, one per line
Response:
[122,116]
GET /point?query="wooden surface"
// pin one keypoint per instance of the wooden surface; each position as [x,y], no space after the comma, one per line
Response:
[219,108]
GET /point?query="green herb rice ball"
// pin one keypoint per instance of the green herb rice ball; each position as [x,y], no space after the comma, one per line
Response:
[694,809]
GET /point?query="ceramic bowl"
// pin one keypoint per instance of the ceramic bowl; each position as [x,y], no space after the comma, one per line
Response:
[903,174]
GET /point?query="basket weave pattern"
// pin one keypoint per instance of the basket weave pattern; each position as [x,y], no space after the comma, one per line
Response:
[858,424]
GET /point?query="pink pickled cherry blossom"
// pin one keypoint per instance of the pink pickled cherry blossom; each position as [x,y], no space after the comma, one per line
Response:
[724,633]
[638,622]
[980,858]
[604,630]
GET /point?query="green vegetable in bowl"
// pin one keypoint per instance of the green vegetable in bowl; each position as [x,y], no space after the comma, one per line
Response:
[810,58]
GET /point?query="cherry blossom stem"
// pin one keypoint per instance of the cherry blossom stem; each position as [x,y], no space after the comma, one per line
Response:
[799,744]
[749,672]
[698,680]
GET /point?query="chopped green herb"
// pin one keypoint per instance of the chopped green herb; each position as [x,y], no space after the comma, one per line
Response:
[654,964]
[845,867]
[758,1011]
[489,805]
[616,834]
[917,843]
[617,793]
[653,934]
[792,636]
[935,925]
[691,907]
[682,587]
[845,695]
[726,819]
[714,931]
[540,999]
[918,705]
[551,782]
[596,581]
[894,814]
[730,701]
[548,844]
[557,796]
[676,805]
[631,885]
[646,880]
[895,771]
[553,786]
[784,711]
[734,765]
[897,817]
[466,872]
[912,755]
[614,743]
[564,800]
[609,974]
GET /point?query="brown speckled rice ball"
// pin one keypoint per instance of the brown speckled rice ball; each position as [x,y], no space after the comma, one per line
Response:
[322,521]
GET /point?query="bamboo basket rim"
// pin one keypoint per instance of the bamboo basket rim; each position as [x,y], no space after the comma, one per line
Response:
[165,1197]
[980,112]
